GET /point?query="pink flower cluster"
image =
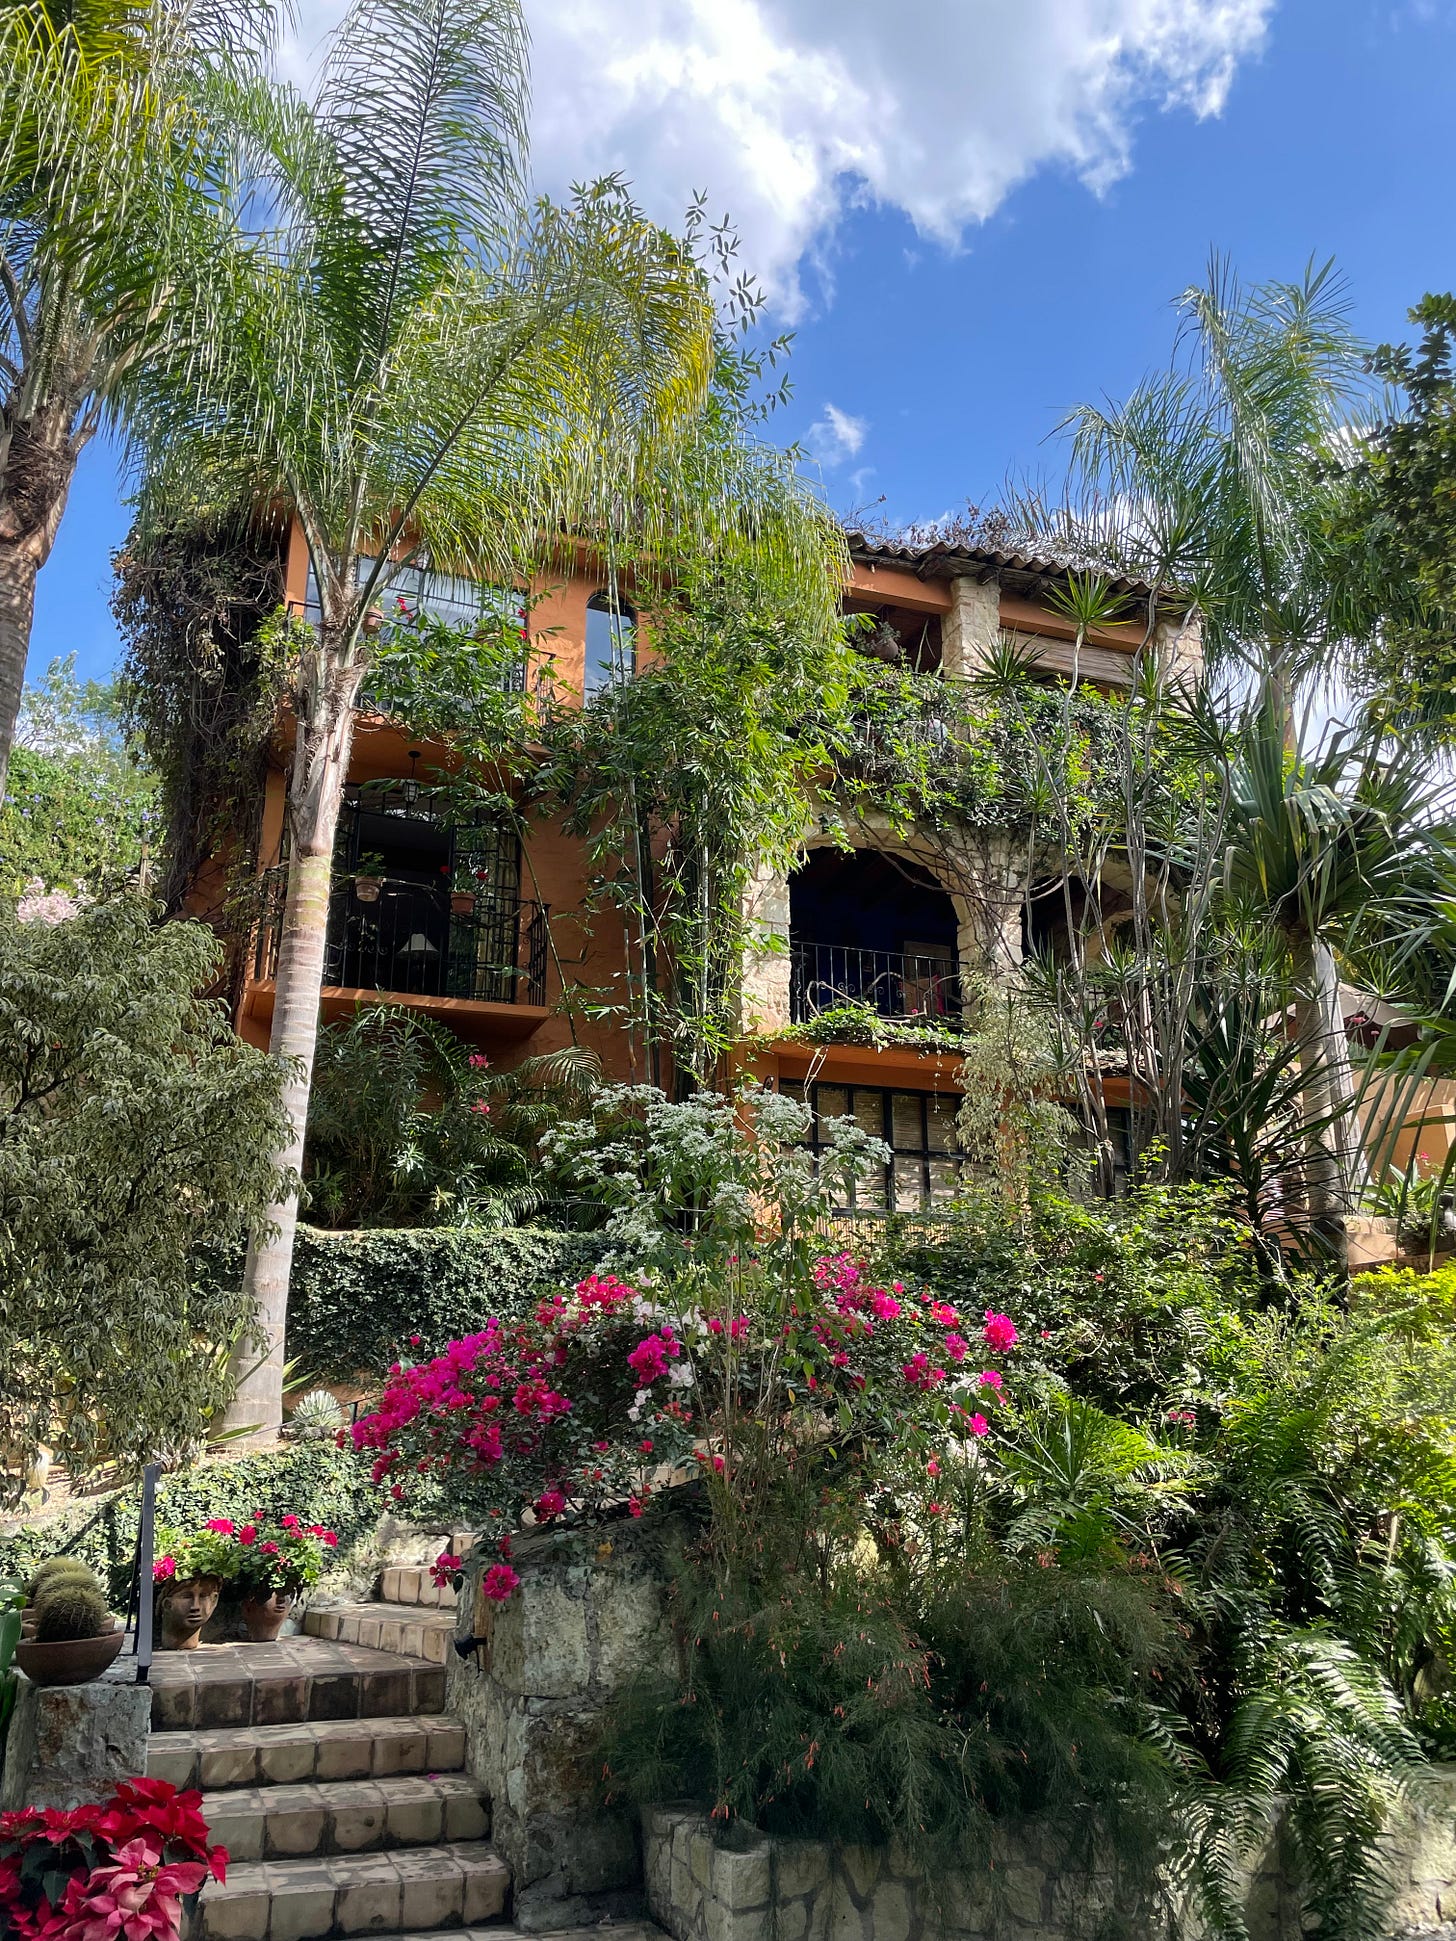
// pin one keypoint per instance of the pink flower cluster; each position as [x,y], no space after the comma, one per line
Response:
[649,1359]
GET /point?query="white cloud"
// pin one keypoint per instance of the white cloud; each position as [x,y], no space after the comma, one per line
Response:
[835,436]
[788,112]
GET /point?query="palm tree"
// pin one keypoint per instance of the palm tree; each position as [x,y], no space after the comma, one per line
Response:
[1218,476]
[1343,844]
[423,365]
[107,134]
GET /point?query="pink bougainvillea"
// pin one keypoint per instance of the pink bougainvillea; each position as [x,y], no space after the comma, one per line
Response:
[999,1333]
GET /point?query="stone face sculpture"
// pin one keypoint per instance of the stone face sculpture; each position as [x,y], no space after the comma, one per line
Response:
[187,1604]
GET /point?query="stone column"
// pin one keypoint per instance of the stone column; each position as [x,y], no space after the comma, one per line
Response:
[1178,644]
[69,1745]
[765,1005]
[969,632]
[588,1616]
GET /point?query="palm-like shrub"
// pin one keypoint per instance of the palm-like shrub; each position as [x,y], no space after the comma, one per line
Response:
[409,1127]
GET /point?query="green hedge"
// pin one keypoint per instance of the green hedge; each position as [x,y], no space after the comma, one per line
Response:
[358,1297]
[316,1481]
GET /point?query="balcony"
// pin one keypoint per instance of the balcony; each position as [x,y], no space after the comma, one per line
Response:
[893,983]
[421,940]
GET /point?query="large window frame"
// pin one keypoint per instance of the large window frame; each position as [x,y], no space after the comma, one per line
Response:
[927,1166]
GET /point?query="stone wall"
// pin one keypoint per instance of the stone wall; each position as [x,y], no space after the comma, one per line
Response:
[69,1745]
[701,1886]
[545,1666]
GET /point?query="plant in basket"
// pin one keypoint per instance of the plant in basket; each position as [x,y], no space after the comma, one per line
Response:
[189,1575]
[280,1559]
[132,1866]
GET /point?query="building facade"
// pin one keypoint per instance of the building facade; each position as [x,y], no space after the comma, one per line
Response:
[487,931]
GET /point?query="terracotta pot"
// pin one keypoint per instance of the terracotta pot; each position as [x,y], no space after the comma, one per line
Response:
[367,888]
[265,1617]
[186,1607]
[462,902]
[76,1661]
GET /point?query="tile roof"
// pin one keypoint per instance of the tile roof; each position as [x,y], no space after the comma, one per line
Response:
[946,560]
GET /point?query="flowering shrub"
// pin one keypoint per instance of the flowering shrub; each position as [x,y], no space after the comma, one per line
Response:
[129,1868]
[264,1557]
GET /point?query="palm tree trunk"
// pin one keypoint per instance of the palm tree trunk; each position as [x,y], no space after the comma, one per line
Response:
[1328,1099]
[257,1404]
[37,463]
[18,568]
[324,739]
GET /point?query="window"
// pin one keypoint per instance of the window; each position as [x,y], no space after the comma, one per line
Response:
[918,1127]
[458,603]
[610,643]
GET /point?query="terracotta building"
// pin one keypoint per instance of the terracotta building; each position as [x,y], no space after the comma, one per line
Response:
[487,934]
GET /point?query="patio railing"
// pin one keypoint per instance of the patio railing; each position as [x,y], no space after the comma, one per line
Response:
[891,982]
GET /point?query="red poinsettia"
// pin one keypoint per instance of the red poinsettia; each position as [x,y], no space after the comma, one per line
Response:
[126,1869]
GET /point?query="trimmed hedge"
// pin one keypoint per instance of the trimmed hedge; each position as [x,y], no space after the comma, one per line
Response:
[315,1480]
[358,1297]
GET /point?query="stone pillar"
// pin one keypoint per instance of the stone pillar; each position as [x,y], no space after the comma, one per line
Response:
[971,629]
[69,1745]
[992,869]
[588,1616]
[1179,647]
[765,1005]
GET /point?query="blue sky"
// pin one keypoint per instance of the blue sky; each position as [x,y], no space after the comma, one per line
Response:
[949,362]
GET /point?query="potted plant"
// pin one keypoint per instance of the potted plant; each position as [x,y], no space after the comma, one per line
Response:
[280,1561]
[73,1636]
[369,878]
[189,1577]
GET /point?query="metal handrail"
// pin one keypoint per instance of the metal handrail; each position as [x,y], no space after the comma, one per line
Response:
[893,983]
[422,939]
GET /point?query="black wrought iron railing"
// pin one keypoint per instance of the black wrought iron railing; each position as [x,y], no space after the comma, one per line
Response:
[419,940]
[891,982]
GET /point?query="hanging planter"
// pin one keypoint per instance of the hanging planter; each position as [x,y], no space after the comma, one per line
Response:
[367,888]
[462,903]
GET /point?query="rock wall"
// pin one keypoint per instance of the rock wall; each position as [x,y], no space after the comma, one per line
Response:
[68,1745]
[532,1691]
[702,1886]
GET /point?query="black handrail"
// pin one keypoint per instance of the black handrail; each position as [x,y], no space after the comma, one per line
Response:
[389,934]
[894,983]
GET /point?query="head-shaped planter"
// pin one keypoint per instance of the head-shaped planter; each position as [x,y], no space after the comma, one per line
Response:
[187,1604]
[265,1613]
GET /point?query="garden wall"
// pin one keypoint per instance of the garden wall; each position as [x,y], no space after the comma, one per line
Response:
[701,1887]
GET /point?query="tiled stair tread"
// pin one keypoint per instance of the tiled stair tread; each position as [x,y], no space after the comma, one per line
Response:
[419,1630]
[295,1679]
[418,1889]
[412,1584]
[386,1614]
[324,1749]
[345,1816]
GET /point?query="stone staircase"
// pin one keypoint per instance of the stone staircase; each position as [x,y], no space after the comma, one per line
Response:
[410,1613]
[331,1774]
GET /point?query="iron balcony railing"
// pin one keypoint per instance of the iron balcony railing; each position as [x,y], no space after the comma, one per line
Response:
[414,938]
[896,985]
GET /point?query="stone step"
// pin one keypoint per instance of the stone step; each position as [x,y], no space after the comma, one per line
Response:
[287,1755]
[286,1683]
[345,1816]
[413,1584]
[413,1629]
[416,1889]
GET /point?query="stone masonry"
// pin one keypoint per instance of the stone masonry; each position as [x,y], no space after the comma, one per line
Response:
[703,1887]
[545,1667]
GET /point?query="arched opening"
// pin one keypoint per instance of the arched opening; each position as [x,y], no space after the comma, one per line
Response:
[611,643]
[868,928]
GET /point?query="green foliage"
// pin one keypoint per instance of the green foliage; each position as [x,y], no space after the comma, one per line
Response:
[134,1129]
[77,809]
[407,1128]
[1135,1304]
[1396,527]
[71,1609]
[854,1023]
[199,680]
[864,1710]
[686,779]
[314,1481]
[359,1297]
